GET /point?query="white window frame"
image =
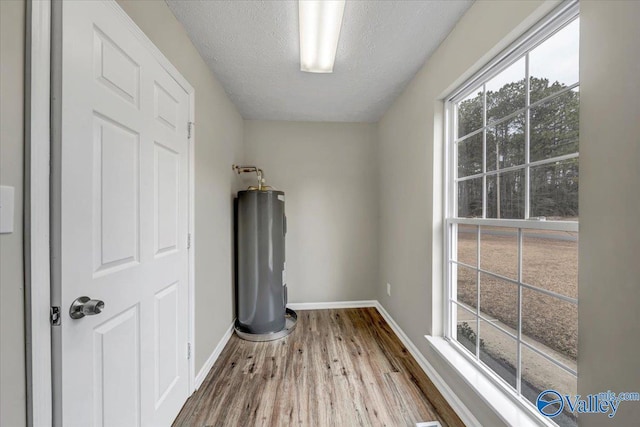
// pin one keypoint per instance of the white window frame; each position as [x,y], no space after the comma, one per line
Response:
[566,13]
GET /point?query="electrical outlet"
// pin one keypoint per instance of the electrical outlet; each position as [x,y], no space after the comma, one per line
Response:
[389,289]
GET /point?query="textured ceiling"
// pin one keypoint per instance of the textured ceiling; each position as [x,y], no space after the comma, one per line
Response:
[253,49]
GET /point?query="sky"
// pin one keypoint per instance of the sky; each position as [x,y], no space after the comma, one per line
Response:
[556,59]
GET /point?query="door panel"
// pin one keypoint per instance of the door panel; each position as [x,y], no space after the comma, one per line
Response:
[167,181]
[116,205]
[166,107]
[123,225]
[115,69]
[166,341]
[117,371]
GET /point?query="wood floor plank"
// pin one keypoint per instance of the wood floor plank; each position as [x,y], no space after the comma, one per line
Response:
[342,367]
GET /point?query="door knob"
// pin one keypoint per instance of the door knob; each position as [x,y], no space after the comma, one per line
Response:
[85,306]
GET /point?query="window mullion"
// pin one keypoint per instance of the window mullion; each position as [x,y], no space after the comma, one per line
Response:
[484,153]
[527,210]
[570,226]
[453,212]
[478,293]
[527,139]
[519,331]
[484,213]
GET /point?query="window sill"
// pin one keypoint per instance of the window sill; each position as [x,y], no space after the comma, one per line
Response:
[508,406]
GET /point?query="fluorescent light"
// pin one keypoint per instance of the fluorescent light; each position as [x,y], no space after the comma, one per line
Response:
[320,23]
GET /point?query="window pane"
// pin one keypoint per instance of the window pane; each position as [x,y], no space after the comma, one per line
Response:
[498,352]
[550,322]
[505,195]
[499,301]
[505,144]
[506,92]
[466,329]
[554,190]
[470,113]
[467,288]
[539,374]
[468,244]
[499,251]
[554,64]
[550,261]
[470,198]
[470,156]
[555,126]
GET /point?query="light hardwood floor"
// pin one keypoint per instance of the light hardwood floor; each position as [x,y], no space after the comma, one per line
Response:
[341,367]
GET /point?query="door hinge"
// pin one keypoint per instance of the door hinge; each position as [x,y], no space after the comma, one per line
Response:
[54,316]
[189,129]
[188,351]
[189,241]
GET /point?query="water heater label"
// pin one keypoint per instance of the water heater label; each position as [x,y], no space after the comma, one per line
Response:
[281,197]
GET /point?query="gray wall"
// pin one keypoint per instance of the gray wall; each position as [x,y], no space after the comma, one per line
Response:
[12,362]
[218,134]
[328,172]
[609,292]
[410,156]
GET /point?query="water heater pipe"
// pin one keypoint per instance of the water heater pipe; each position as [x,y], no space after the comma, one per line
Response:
[248,169]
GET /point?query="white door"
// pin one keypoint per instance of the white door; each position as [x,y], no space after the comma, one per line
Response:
[123,225]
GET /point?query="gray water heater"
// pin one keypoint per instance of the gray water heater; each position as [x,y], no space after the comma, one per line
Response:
[261,288]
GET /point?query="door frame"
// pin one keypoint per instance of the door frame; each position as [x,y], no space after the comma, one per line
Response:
[38,203]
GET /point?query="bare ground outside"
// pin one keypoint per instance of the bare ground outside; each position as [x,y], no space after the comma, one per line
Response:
[549,261]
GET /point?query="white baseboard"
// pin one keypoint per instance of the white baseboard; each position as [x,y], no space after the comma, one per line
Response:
[213,357]
[331,304]
[456,404]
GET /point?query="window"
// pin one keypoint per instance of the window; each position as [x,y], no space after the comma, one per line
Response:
[512,214]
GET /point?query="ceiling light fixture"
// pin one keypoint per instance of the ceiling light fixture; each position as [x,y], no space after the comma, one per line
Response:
[320,23]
